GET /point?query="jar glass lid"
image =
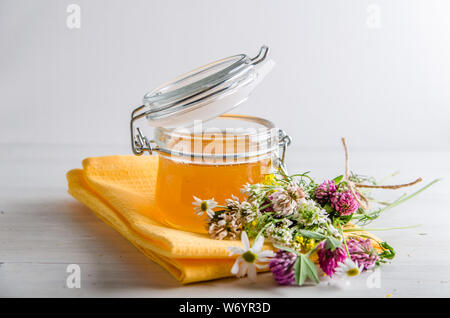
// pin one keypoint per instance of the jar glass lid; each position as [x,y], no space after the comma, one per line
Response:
[207,91]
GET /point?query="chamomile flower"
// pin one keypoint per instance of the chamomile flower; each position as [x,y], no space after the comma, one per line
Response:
[202,206]
[348,269]
[248,258]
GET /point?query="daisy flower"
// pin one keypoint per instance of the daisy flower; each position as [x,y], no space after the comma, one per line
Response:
[348,268]
[249,256]
[202,206]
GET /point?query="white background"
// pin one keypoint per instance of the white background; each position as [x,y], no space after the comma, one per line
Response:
[66,94]
[337,73]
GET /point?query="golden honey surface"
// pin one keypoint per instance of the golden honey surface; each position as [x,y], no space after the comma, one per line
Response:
[178,182]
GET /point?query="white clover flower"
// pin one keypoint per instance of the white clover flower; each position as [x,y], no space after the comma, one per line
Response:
[247,211]
[250,211]
[286,223]
[202,206]
[348,269]
[333,231]
[309,213]
[287,200]
[296,193]
[255,192]
[246,263]
[281,235]
[246,189]
[233,203]
[283,204]
[225,225]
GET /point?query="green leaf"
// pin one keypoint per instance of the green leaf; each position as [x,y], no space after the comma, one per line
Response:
[327,207]
[338,179]
[332,243]
[311,234]
[304,268]
[344,219]
[388,252]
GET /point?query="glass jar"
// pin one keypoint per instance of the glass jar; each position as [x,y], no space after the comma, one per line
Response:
[202,151]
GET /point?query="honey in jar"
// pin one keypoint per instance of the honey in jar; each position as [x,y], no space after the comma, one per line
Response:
[228,161]
[213,161]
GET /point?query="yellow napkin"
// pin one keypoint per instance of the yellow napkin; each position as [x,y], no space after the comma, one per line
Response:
[120,191]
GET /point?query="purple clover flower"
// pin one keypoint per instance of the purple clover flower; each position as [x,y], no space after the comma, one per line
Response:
[362,252]
[344,203]
[325,191]
[282,267]
[328,259]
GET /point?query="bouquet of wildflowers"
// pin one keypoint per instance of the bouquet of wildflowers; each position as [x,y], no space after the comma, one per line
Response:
[306,222]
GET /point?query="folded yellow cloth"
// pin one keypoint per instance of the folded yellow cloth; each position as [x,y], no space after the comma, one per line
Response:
[120,191]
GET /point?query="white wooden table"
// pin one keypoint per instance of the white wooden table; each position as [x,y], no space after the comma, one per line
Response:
[43,230]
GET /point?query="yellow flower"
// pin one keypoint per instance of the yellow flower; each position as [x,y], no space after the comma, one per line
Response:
[300,239]
[306,244]
[270,179]
[310,245]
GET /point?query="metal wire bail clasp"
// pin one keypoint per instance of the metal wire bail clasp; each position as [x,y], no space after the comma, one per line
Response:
[284,141]
[139,143]
[262,54]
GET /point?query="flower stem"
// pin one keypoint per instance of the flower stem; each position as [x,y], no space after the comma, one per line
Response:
[403,199]
[265,227]
[303,175]
[345,242]
[383,229]
[382,181]
[368,217]
[265,206]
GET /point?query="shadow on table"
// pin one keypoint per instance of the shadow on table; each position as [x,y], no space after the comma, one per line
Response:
[75,235]
[134,270]
[69,233]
